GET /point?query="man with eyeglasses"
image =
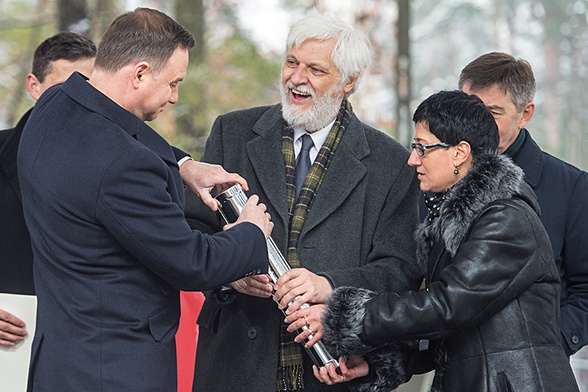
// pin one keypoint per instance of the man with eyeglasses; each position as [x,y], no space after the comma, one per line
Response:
[507,87]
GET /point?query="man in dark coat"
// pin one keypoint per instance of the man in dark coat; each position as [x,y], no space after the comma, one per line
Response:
[103,201]
[54,60]
[507,87]
[359,215]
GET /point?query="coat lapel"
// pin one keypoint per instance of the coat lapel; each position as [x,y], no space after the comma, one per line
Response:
[156,143]
[267,160]
[530,160]
[344,173]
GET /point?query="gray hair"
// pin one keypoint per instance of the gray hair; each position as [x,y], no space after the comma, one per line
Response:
[352,52]
[504,70]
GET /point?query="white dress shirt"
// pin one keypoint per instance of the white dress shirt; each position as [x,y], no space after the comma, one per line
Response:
[318,138]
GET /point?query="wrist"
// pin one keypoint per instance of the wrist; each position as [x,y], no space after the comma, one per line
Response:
[184,160]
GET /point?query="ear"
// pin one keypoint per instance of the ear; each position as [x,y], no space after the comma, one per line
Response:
[462,153]
[349,86]
[527,114]
[34,87]
[140,72]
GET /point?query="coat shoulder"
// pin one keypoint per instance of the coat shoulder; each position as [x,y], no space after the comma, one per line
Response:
[248,117]
[381,141]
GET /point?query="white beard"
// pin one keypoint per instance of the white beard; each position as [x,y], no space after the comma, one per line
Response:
[323,110]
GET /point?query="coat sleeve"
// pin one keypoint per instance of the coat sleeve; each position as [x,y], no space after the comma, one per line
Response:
[501,257]
[574,305]
[135,205]
[390,263]
[198,215]
[179,154]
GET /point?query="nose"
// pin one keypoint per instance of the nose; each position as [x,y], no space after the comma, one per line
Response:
[299,75]
[414,159]
[174,96]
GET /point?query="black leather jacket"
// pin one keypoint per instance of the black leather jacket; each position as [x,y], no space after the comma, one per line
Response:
[491,303]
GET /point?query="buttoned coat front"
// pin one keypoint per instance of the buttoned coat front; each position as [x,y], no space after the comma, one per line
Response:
[359,231]
[103,199]
[562,191]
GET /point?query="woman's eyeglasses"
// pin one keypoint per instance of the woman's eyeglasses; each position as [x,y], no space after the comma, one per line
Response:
[421,148]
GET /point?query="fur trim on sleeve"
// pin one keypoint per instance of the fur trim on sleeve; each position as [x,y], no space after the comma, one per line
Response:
[343,324]
[343,321]
[387,363]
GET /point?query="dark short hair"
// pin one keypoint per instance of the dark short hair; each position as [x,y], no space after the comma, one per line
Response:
[62,46]
[141,35]
[454,116]
[502,69]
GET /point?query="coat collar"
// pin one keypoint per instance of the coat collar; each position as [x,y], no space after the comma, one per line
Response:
[530,160]
[492,177]
[82,92]
[345,170]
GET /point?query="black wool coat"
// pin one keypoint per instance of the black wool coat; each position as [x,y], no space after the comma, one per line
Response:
[16,254]
[359,232]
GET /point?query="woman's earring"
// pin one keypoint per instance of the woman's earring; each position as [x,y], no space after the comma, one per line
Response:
[456,171]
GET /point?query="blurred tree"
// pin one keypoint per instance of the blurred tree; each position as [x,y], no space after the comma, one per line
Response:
[190,14]
[24,29]
[564,40]
[101,15]
[73,16]
[551,34]
[227,72]
[551,14]
[403,79]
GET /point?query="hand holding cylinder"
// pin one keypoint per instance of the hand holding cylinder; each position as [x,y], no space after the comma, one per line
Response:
[233,201]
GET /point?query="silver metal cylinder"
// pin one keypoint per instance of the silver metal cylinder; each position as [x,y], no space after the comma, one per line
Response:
[232,201]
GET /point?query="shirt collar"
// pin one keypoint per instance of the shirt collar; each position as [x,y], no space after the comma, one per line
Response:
[514,149]
[318,137]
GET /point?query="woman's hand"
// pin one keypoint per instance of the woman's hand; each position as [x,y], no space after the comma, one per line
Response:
[352,368]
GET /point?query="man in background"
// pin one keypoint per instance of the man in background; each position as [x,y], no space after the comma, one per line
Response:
[507,87]
[103,201]
[346,218]
[54,60]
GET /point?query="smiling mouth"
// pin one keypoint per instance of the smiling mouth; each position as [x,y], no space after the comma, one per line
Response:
[299,94]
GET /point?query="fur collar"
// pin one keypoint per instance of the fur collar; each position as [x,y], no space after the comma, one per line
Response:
[491,177]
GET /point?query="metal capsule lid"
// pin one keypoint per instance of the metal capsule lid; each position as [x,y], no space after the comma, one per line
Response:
[232,191]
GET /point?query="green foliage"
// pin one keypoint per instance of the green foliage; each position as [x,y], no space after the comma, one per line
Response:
[20,37]
[234,76]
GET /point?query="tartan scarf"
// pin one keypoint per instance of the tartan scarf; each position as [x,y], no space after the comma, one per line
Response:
[290,368]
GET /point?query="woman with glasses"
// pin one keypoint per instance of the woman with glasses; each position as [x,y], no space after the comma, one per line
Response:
[487,316]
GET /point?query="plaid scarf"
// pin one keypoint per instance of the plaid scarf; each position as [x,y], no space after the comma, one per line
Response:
[290,367]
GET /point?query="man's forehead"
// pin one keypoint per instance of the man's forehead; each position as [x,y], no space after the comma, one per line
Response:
[492,95]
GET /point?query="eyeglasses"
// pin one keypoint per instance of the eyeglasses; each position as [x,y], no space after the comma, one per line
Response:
[421,148]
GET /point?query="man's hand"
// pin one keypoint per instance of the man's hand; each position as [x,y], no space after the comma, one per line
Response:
[256,285]
[12,329]
[255,213]
[202,177]
[299,282]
